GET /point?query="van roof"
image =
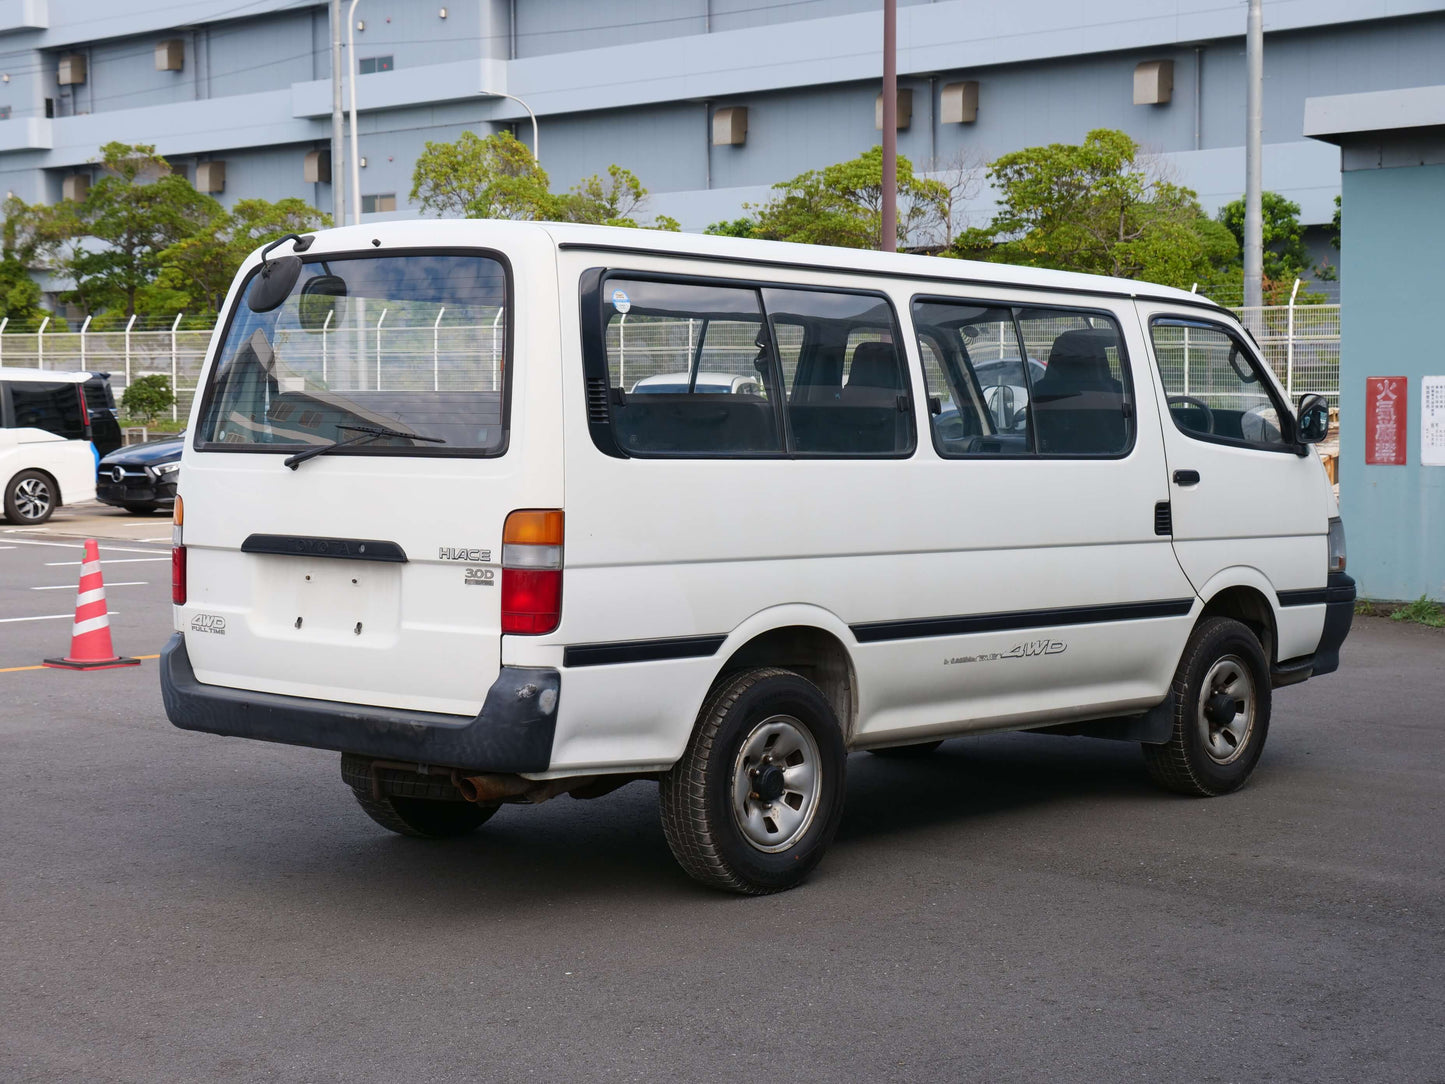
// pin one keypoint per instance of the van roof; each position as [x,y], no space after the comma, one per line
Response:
[454,232]
[14,372]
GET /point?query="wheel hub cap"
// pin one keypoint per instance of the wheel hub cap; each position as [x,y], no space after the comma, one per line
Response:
[777,782]
[1225,713]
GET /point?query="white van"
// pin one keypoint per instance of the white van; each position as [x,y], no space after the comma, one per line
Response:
[428,521]
[46,457]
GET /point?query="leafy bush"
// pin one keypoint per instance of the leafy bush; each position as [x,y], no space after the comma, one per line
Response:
[147,396]
[1422,611]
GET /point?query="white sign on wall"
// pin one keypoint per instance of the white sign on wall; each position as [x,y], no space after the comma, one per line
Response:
[1432,421]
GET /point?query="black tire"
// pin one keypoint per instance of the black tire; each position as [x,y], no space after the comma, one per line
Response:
[143,509]
[31,497]
[421,806]
[1213,750]
[908,752]
[697,796]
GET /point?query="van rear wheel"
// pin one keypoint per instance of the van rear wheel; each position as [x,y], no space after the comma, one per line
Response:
[756,798]
[1221,712]
[421,806]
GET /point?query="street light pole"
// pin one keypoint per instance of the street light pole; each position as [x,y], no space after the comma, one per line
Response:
[890,126]
[536,146]
[351,68]
[1253,167]
[338,132]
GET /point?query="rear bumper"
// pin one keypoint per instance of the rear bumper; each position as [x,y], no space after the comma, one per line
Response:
[513,733]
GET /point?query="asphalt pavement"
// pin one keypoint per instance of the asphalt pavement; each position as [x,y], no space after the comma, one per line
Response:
[182,907]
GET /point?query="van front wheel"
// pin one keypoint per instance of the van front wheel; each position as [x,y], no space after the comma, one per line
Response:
[756,798]
[29,498]
[1221,712]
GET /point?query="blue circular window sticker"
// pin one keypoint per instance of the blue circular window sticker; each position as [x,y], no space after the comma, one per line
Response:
[621,302]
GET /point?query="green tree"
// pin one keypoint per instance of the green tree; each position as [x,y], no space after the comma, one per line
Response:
[136,211]
[147,396]
[737,227]
[19,295]
[495,177]
[842,205]
[1097,207]
[1285,256]
[198,269]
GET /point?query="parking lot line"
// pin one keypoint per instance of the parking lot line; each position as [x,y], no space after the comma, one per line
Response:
[48,617]
[112,561]
[71,586]
[17,669]
[76,544]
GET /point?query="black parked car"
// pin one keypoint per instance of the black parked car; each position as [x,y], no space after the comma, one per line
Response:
[141,477]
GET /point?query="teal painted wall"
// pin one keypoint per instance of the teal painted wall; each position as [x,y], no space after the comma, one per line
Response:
[1392,324]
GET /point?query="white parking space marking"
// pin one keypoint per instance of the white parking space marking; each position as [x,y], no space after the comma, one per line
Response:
[78,543]
[71,586]
[48,617]
[114,561]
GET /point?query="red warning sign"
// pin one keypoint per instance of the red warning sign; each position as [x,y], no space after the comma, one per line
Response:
[1385,414]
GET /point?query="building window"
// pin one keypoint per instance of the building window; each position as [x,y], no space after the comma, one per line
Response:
[370,65]
[371,205]
[4,112]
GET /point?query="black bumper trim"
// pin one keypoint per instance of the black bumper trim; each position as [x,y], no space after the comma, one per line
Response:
[513,732]
[1339,615]
[674,647]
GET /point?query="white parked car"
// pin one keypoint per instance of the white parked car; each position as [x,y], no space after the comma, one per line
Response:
[465,552]
[46,455]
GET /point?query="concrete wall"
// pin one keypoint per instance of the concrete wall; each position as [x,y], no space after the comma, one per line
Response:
[1394,264]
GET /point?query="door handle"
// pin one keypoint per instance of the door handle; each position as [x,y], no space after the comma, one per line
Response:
[1186,478]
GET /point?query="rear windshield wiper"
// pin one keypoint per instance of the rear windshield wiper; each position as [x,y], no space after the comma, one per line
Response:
[368,433]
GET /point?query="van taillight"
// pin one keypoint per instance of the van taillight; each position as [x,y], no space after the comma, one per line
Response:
[178,556]
[532,571]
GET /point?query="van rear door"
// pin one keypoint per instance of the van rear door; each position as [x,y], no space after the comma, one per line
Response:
[347,481]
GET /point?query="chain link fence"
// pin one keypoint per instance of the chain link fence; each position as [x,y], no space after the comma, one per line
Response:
[1300,342]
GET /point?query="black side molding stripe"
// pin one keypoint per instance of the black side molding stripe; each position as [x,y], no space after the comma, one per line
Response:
[1019,619]
[1310,596]
[349,549]
[675,647]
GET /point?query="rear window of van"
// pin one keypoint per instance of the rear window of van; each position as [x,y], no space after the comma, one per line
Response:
[412,344]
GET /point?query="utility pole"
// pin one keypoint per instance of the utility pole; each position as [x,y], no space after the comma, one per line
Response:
[338,145]
[890,126]
[1253,168]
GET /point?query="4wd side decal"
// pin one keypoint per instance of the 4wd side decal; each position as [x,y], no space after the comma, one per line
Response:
[1018,651]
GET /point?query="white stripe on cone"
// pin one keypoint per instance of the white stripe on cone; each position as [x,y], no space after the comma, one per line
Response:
[86,597]
[80,628]
[88,568]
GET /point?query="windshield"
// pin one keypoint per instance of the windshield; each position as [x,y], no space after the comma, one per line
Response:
[415,344]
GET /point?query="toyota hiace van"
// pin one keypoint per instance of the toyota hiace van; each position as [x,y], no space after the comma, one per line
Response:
[434,516]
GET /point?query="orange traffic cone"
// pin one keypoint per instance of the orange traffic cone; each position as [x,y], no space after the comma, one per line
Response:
[90,647]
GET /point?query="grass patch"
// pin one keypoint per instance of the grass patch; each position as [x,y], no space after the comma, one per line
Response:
[1422,611]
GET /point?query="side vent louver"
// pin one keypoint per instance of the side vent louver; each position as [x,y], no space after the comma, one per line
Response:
[597,412]
[1163,519]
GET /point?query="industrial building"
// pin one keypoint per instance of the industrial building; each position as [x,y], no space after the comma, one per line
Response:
[709,102]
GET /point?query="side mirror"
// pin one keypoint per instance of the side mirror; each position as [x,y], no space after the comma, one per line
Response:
[273,285]
[322,302]
[1312,420]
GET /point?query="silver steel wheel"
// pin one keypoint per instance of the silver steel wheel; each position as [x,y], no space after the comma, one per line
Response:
[1226,709]
[32,498]
[776,783]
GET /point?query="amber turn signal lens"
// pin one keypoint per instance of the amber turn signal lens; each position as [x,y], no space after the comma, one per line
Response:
[178,517]
[533,527]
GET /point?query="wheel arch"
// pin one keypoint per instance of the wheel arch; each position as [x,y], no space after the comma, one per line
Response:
[1248,597]
[809,641]
[49,477]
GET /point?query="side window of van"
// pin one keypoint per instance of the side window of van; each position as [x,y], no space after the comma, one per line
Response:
[848,392]
[1081,400]
[694,369]
[54,407]
[979,385]
[1024,381]
[715,369]
[1214,384]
